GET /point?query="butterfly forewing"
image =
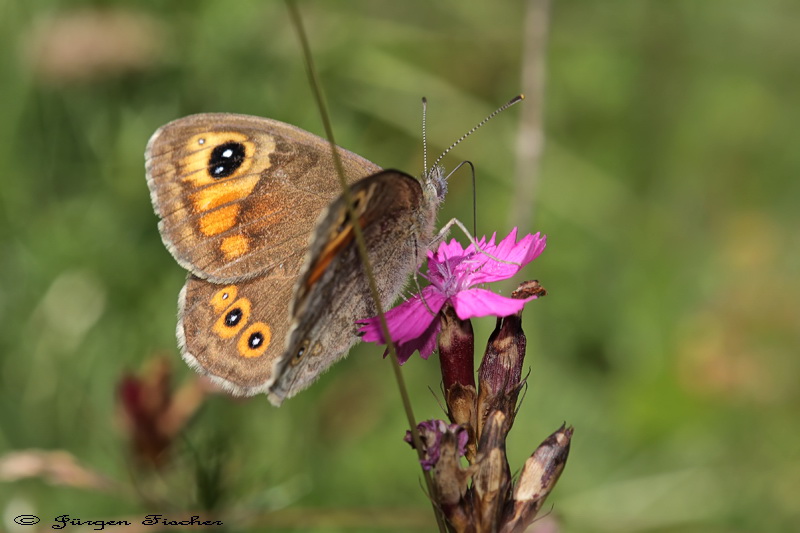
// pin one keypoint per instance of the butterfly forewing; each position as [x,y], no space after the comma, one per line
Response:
[239,195]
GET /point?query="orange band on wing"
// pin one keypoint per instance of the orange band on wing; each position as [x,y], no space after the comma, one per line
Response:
[344,238]
[219,220]
[234,246]
[222,193]
[326,256]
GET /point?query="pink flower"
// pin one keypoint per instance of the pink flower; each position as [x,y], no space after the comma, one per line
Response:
[453,273]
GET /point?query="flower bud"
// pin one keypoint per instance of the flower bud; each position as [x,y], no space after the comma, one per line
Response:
[538,477]
[456,349]
[152,414]
[500,373]
[491,482]
[457,360]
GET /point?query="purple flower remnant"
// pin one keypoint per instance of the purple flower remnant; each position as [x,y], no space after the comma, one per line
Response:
[454,274]
[439,440]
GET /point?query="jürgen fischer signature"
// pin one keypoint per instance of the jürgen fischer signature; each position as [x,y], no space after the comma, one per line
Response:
[60,522]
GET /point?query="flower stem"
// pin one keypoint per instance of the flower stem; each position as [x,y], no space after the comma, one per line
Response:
[362,249]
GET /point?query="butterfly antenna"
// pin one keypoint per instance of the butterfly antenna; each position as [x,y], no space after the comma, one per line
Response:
[474,192]
[502,108]
[424,137]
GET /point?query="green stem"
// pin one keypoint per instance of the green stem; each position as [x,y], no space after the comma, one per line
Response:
[362,251]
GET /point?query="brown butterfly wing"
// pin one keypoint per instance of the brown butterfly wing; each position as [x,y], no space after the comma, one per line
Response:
[236,332]
[238,195]
[397,221]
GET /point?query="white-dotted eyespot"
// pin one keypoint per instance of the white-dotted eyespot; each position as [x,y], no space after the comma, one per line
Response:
[223,298]
[233,319]
[254,340]
[301,352]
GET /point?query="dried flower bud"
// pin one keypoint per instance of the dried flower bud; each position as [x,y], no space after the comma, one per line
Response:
[538,477]
[152,414]
[443,445]
[435,436]
[492,480]
[457,360]
[529,288]
[143,401]
[500,373]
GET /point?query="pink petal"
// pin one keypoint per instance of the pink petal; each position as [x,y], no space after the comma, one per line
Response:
[524,251]
[452,253]
[449,250]
[452,270]
[425,343]
[407,321]
[482,243]
[474,303]
[521,253]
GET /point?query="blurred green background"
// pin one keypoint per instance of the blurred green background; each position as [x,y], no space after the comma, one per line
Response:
[668,191]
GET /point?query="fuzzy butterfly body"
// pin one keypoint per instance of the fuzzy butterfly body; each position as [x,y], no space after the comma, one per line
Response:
[251,207]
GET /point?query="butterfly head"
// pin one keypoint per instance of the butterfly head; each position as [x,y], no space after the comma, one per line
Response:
[434,185]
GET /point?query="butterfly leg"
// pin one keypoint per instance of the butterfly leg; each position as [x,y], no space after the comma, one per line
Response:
[416,279]
[455,222]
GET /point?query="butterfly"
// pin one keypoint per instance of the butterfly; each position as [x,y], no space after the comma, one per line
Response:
[252,208]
